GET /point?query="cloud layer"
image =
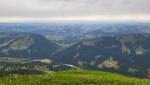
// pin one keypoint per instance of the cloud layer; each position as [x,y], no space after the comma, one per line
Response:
[75,8]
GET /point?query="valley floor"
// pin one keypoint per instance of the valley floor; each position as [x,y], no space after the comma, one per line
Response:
[73,77]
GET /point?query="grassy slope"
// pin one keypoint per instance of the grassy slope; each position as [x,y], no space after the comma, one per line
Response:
[73,77]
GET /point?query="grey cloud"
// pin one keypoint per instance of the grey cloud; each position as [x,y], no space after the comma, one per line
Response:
[53,8]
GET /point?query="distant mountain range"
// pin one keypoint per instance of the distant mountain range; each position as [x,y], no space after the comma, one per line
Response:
[73,32]
[19,44]
[117,48]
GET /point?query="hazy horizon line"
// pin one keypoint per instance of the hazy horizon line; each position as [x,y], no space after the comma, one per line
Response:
[78,18]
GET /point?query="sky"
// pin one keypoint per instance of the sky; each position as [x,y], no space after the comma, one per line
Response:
[44,10]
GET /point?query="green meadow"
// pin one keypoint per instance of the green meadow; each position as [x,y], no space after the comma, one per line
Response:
[73,77]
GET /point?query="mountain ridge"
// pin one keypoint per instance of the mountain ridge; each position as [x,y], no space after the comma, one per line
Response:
[21,44]
[127,54]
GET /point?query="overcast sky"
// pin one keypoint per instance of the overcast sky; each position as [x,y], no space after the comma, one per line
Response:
[74,9]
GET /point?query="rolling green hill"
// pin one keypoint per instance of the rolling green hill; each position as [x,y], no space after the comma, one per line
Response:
[73,77]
